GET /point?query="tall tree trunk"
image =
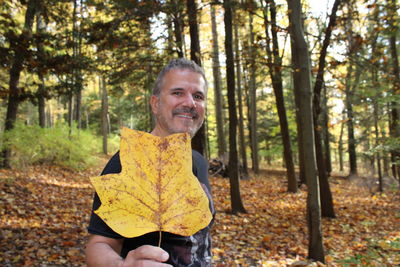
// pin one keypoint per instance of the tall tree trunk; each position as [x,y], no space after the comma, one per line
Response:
[350,86]
[275,66]
[253,99]
[217,87]
[340,146]
[394,125]
[350,123]
[242,143]
[233,168]
[70,108]
[178,27]
[40,29]
[326,135]
[378,157]
[77,73]
[326,195]
[302,85]
[15,93]
[104,113]
[199,140]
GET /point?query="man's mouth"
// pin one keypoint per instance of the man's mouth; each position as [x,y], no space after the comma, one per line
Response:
[185,113]
[185,116]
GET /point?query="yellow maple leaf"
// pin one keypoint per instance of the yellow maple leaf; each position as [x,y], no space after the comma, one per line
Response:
[156,189]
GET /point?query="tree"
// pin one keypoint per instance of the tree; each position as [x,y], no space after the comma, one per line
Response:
[302,90]
[326,195]
[199,140]
[275,72]
[242,143]
[217,87]
[354,44]
[253,96]
[16,94]
[41,93]
[104,113]
[395,110]
[233,168]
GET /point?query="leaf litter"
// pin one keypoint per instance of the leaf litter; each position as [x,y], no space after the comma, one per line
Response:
[44,212]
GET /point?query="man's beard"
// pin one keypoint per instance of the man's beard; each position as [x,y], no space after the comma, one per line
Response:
[191,130]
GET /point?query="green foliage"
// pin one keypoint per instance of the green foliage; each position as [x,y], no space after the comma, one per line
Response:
[71,148]
[379,253]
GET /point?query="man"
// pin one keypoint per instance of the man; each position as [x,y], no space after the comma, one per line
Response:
[178,105]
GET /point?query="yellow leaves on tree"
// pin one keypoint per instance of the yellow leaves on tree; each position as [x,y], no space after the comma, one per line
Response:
[156,189]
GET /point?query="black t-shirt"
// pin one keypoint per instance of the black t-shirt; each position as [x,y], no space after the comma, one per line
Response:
[194,250]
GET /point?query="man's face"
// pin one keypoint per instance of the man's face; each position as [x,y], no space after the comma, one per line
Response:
[180,107]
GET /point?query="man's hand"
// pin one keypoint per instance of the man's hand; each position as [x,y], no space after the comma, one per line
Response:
[146,256]
[104,251]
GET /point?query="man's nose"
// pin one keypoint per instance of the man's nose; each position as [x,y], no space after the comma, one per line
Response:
[189,101]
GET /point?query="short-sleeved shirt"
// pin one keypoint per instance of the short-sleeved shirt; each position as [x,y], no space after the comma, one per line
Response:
[184,251]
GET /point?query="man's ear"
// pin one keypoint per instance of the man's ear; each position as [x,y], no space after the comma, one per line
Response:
[154,103]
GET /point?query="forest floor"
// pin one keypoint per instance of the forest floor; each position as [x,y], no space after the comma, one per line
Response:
[44,211]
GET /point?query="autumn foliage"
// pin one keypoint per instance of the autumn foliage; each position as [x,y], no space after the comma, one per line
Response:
[44,211]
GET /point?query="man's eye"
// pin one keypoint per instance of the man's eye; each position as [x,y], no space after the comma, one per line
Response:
[199,97]
[177,93]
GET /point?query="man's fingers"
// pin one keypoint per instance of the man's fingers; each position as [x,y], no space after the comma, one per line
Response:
[150,253]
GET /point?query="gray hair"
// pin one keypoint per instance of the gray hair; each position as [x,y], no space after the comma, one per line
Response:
[178,63]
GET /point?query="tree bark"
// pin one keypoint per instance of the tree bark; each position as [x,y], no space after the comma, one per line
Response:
[253,99]
[178,27]
[104,113]
[340,146]
[199,140]
[302,85]
[394,125]
[352,51]
[275,67]
[217,87]
[233,168]
[326,195]
[40,29]
[242,143]
[16,94]
[326,134]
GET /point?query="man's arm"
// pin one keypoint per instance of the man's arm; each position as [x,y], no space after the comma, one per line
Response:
[104,251]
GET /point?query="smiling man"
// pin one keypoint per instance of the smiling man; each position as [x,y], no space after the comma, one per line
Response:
[178,104]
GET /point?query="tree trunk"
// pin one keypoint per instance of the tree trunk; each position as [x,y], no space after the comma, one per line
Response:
[199,140]
[233,168]
[326,195]
[253,100]
[378,158]
[40,29]
[340,146]
[302,86]
[352,52]
[15,93]
[178,27]
[350,125]
[275,66]
[394,125]
[242,143]
[77,44]
[217,88]
[326,135]
[104,113]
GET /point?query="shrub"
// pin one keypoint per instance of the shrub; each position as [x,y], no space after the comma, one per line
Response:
[60,145]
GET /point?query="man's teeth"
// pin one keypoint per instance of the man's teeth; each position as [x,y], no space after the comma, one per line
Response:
[185,116]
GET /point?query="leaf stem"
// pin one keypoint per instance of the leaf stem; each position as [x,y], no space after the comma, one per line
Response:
[159,240]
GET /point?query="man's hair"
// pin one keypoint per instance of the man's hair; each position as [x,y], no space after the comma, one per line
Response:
[181,64]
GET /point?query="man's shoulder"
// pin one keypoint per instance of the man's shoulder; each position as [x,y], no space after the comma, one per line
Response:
[113,165]
[198,158]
